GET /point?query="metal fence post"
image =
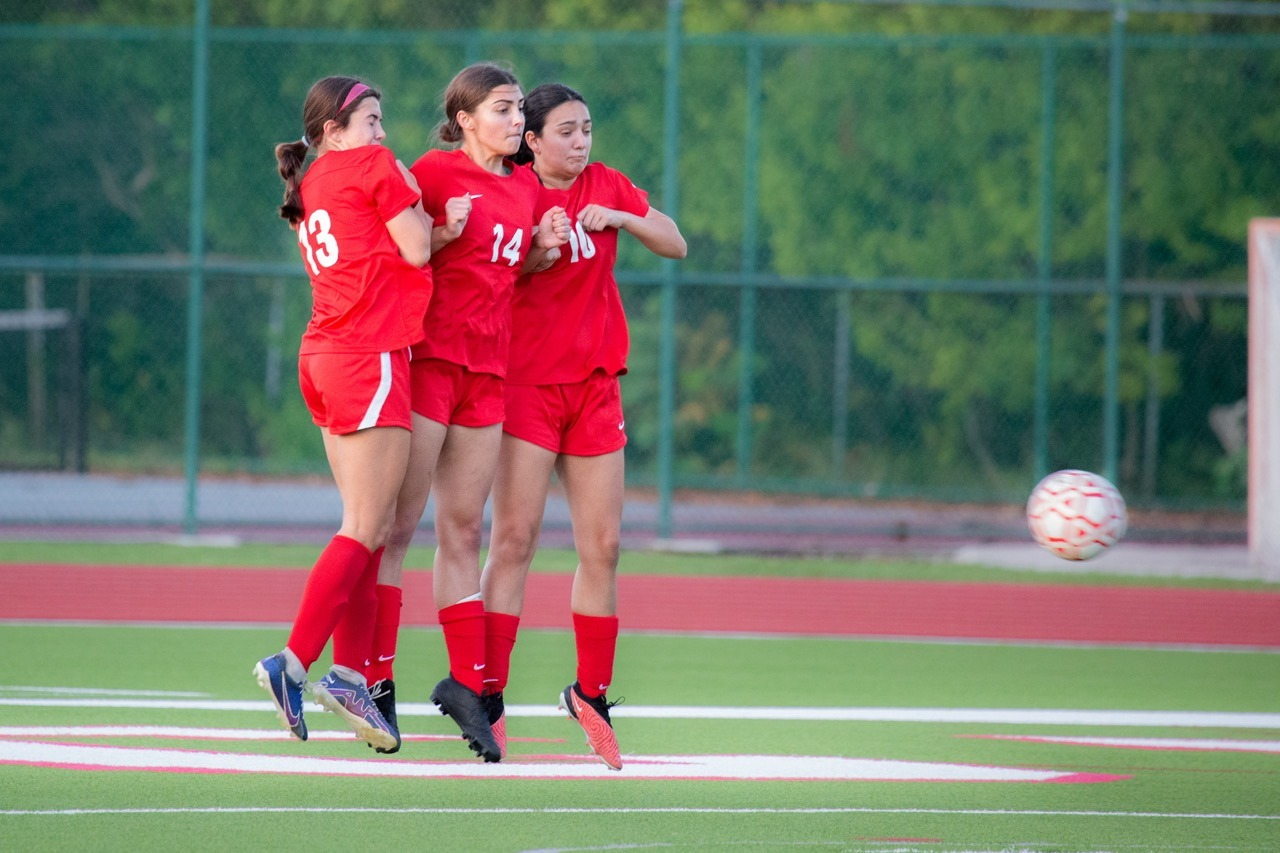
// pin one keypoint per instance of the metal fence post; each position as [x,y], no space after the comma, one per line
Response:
[750,221]
[1151,423]
[195,281]
[1115,143]
[1044,315]
[670,200]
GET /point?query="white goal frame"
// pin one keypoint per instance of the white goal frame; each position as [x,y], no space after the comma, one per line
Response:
[1264,397]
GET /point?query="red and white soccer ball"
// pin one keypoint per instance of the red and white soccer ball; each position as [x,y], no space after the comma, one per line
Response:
[1076,514]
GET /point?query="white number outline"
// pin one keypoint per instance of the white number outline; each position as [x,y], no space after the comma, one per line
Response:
[325,254]
[580,240]
[511,251]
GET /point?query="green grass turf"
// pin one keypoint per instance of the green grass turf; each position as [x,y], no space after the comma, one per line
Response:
[632,562]
[521,814]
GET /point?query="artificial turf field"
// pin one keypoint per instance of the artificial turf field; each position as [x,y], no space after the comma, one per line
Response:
[118,735]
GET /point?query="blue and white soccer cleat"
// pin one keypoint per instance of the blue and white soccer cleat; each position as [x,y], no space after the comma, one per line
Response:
[384,696]
[285,693]
[351,701]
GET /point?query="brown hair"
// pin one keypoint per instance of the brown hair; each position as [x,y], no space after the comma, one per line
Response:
[324,103]
[538,104]
[467,91]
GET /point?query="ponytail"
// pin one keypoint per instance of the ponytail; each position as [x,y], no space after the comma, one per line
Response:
[289,159]
[328,99]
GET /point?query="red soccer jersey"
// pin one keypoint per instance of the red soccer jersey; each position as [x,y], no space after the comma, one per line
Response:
[469,321]
[567,321]
[365,296]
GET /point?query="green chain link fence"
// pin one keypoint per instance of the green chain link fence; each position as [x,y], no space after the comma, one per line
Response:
[936,249]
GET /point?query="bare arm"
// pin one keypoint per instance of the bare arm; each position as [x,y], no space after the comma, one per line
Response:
[411,227]
[411,231]
[656,231]
[539,259]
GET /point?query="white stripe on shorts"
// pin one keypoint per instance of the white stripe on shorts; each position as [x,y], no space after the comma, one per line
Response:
[384,390]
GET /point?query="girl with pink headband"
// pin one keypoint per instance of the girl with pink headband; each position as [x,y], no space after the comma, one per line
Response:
[365,243]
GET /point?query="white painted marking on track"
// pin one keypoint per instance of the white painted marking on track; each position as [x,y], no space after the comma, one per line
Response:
[97,691]
[552,810]
[1196,744]
[186,732]
[964,716]
[723,767]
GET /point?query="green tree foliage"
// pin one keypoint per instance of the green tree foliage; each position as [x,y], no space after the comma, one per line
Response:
[896,144]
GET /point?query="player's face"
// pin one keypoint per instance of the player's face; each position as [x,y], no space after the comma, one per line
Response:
[497,123]
[564,148]
[364,128]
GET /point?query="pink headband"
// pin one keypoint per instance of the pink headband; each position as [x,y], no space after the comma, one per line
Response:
[356,91]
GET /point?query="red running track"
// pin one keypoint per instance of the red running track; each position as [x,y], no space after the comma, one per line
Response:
[871,608]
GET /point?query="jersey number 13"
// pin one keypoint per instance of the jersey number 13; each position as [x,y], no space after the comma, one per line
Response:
[316,229]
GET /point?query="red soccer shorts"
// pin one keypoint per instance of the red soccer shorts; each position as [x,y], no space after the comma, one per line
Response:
[449,393]
[580,418]
[350,391]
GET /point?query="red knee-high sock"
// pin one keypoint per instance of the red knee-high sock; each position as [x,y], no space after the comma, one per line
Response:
[386,630]
[597,639]
[499,638]
[353,636]
[324,598]
[463,625]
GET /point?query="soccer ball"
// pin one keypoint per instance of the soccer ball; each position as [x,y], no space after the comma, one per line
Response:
[1076,514]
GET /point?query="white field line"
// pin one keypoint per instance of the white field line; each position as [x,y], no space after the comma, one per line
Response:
[563,767]
[1170,743]
[94,691]
[189,733]
[967,716]
[194,733]
[552,810]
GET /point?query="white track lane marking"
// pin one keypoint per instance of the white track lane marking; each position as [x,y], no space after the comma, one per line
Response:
[1195,744]
[724,767]
[186,733]
[968,716]
[194,733]
[98,691]
[551,810]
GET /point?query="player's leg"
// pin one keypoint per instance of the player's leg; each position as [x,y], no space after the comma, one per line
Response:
[361,462]
[371,464]
[411,502]
[594,487]
[361,404]
[519,500]
[463,478]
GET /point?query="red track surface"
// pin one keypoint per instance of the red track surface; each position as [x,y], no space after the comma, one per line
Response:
[1033,612]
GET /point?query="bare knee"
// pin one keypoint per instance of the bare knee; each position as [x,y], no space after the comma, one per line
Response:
[400,536]
[514,546]
[459,536]
[599,554]
[368,532]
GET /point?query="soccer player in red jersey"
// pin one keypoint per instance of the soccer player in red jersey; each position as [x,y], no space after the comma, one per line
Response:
[563,404]
[365,241]
[484,226]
